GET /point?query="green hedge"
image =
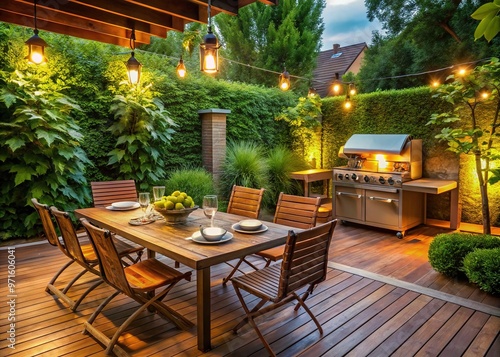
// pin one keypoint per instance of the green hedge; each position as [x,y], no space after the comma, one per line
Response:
[482,267]
[447,251]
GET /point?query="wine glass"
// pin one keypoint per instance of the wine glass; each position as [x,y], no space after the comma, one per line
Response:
[210,206]
[144,201]
[158,192]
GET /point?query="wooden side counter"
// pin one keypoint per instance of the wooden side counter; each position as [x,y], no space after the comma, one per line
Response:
[308,176]
[436,187]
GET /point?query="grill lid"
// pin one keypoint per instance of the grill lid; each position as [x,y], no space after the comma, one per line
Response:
[376,143]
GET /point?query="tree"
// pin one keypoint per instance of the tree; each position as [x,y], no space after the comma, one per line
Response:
[421,36]
[271,37]
[398,15]
[474,135]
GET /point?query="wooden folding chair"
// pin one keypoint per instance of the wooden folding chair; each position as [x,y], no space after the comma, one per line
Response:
[138,281]
[294,211]
[104,193]
[244,201]
[56,241]
[305,263]
[84,254]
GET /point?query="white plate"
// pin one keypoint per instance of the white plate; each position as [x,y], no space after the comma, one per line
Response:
[136,205]
[237,228]
[123,204]
[196,237]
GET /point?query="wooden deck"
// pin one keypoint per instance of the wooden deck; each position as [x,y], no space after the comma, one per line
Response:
[381,298]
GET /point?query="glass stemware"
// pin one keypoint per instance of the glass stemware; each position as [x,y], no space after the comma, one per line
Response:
[158,192]
[144,201]
[210,206]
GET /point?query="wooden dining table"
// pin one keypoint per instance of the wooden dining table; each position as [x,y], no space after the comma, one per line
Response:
[174,241]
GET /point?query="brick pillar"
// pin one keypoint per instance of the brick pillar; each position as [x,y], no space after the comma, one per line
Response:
[213,139]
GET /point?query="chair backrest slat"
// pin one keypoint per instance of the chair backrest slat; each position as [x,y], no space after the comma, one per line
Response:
[104,193]
[245,201]
[297,211]
[110,265]
[69,235]
[47,223]
[305,260]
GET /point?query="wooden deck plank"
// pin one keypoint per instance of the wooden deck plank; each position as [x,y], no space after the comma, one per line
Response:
[407,329]
[398,314]
[485,338]
[441,338]
[361,310]
[465,335]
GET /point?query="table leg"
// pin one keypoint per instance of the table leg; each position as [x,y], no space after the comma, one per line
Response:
[454,210]
[203,309]
[306,188]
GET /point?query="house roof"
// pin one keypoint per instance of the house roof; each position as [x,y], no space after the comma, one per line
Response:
[111,21]
[336,60]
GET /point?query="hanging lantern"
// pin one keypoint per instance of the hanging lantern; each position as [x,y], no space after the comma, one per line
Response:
[209,49]
[284,81]
[36,45]
[181,69]
[133,65]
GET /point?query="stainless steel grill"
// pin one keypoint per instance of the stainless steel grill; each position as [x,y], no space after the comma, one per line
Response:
[369,190]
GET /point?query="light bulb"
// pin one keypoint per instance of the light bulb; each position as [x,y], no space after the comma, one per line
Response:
[209,62]
[36,57]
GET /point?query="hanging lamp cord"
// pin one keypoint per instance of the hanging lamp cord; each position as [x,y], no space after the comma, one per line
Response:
[132,40]
[209,15]
[34,12]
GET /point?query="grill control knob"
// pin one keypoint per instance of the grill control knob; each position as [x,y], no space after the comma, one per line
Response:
[390,181]
[354,177]
[399,182]
[381,180]
[366,178]
[347,176]
[340,176]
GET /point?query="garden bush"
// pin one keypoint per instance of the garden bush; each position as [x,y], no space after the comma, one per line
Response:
[196,182]
[482,268]
[447,251]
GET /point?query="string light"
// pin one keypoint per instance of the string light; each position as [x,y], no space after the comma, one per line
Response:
[181,69]
[337,86]
[284,80]
[352,89]
[460,65]
[347,102]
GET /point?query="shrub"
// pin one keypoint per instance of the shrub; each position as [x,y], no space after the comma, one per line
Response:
[142,128]
[281,162]
[196,182]
[40,152]
[447,251]
[481,267]
[244,165]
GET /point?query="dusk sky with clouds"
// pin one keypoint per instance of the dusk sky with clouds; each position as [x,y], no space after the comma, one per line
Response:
[346,23]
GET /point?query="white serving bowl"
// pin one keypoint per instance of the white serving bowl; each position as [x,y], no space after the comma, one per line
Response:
[250,224]
[212,234]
